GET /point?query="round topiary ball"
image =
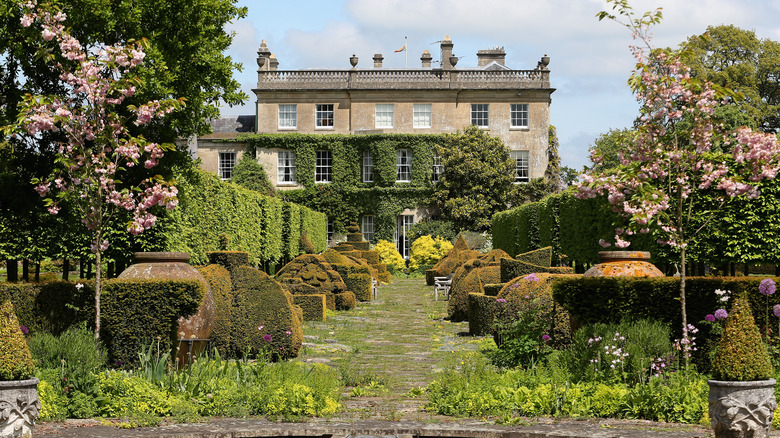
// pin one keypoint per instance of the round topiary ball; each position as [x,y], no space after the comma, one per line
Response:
[741,354]
[15,359]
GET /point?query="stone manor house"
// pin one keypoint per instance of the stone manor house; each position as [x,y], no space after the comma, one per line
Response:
[436,97]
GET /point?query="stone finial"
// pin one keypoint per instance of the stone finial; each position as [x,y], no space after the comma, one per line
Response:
[353,61]
[378,60]
[543,63]
[274,63]
[426,59]
[263,53]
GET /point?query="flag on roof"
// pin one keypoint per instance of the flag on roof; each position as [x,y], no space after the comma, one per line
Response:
[402,49]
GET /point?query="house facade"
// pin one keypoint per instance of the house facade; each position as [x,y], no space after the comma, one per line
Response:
[435,98]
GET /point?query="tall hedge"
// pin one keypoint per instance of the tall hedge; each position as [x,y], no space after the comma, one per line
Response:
[265,227]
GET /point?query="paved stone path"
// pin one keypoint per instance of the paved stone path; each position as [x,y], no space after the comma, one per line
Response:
[398,342]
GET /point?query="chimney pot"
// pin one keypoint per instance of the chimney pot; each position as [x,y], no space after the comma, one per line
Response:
[378,60]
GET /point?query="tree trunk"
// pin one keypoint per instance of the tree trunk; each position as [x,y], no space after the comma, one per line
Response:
[26,270]
[82,266]
[682,305]
[65,268]
[89,270]
[37,272]
[747,269]
[12,271]
[97,296]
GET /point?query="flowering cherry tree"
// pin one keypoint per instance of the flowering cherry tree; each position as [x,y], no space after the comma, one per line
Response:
[97,144]
[674,154]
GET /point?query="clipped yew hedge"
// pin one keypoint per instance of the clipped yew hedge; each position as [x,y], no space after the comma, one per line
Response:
[313,306]
[218,278]
[481,310]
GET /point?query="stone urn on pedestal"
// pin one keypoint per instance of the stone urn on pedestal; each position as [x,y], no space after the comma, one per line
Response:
[19,404]
[742,400]
[624,264]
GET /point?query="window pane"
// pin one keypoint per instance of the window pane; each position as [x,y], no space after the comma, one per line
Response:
[286,167]
[227,161]
[519,115]
[367,227]
[479,115]
[438,168]
[323,170]
[403,224]
[288,116]
[368,167]
[422,115]
[384,115]
[521,165]
[403,165]
[324,115]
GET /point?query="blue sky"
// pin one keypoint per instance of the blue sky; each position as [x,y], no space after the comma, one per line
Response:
[590,60]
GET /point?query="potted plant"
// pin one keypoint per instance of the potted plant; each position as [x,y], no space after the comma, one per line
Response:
[742,400]
[19,404]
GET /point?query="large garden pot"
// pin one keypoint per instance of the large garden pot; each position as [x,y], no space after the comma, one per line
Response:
[742,409]
[624,264]
[195,330]
[19,407]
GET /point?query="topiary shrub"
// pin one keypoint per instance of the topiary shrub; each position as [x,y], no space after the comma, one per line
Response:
[218,279]
[313,306]
[305,245]
[224,241]
[15,360]
[229,259]
[741,353]
[345,301]
[457,256]
[360,285]
[471,282]
[481,308]
[310,274]
[539,257]
[511,268]
[264,317]
[492,290]
[390,256]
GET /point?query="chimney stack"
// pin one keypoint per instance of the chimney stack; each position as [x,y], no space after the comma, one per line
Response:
[485,57]
[446,53]
[378,60]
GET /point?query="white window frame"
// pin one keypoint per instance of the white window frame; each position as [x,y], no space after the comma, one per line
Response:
[422,115]
[438,169]
[522,166]
[403,223]
[480,115]
[288,116]
[384,115]
[285,172]
[227,162]
[403,165]
[325,116]
[330,233]
[367,227]
[368,167]
[323,167]
[518,115]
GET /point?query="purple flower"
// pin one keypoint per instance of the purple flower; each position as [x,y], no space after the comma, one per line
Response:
[24,329]
[501,300]
[267,338]
[767,286]
[531,277]
[545,338]
[710,317]
[776,310]
[721,314]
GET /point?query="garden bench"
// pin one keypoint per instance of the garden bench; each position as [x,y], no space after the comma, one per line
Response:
[443,284]
[374,288]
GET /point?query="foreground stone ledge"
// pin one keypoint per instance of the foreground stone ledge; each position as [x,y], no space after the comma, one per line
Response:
[234,428]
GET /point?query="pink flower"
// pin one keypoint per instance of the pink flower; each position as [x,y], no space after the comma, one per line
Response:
[267,338]
[531,277]
[709,317]
[776,309]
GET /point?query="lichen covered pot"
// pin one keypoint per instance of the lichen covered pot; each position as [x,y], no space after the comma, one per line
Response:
[175,266]
[19,407]
[624,264]
[742,409]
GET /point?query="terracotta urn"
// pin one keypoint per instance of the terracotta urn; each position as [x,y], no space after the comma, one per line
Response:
[19,407]
[741,409]
[175,265]
[624,264]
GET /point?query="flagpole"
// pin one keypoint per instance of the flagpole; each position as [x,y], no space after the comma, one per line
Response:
[406,54]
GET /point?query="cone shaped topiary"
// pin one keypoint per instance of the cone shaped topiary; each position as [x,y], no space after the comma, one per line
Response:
[741,354]
[15,359]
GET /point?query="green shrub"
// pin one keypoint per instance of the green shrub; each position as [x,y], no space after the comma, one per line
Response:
[435,228]
[594,350]
[360,285]
[511,268]
[492,290]
[481,308]
[229,259]
[15,360]
[73,352]
[741,353]
[310,274]
[305,245]
[539,257]
[50,307]
[136,311]
[313,306]
[346,301]
[218,279]
[472,282]
[54,404]
[260,301]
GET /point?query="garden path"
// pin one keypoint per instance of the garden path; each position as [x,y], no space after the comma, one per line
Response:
[399,341]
